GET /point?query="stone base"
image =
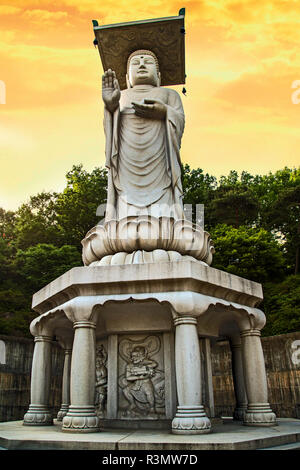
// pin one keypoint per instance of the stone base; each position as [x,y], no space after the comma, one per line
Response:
[62,412]
[38,415]
[259,414]
[230,436]
[81,419]
[239,413]
[116,240]
[191,420]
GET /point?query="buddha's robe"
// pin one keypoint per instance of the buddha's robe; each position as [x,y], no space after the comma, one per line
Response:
[143,157]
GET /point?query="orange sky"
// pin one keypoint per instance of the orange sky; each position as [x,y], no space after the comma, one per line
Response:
[241,60]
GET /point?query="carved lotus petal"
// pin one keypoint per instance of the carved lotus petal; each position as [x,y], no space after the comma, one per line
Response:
[146,234]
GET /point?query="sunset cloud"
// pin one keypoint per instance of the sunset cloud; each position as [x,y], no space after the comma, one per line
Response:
[9,10]
[44,16]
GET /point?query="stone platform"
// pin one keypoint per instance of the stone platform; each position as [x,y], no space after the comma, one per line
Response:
[229,435]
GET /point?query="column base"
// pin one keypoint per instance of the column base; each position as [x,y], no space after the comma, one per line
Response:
[62,412]
[191,420]
[239,413]
[259,414]
[81,419]
[38,415]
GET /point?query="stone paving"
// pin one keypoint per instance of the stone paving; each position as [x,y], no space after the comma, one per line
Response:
[225,436]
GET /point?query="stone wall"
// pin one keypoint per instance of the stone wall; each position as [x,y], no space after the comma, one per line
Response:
[282,356]
[15,369]
[224,399]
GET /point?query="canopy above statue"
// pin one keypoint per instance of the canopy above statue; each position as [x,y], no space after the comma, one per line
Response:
[163,36]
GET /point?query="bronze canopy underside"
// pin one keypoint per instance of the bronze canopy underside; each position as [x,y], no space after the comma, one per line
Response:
[163,36]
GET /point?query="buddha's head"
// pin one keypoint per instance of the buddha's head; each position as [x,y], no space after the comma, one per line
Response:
[142,69]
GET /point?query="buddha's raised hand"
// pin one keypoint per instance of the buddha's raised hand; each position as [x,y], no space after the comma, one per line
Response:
[110,90]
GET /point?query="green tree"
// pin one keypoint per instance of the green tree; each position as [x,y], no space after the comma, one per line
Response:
[198,188]
[282,306]
[284,218]
[25,273]
[268,188]
[36,222]
[7,224]
[62,218]
[76,207]
[15,301]
[5,260]
[42,263]
[249,252]
[234,206]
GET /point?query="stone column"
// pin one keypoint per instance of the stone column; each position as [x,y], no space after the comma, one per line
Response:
[65,386]
[258,412]
[81,416]
[39,413]
[190,417]
[238,379]
[112,377]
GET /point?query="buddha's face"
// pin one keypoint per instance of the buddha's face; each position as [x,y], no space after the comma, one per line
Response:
[142,70]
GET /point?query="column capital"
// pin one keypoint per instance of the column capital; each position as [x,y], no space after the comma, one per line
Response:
[42,326]
[250,332]
[84,324]
[81,309]
[185,320]
[43,338]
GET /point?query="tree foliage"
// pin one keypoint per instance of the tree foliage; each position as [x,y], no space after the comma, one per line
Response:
[42,263]
[36,222]
[252,253]
[282,306]
[76,207]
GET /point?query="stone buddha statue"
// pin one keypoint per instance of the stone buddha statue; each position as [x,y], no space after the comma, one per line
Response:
[144,220]
[144,125]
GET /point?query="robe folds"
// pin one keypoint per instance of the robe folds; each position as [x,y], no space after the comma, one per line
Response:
[143,156]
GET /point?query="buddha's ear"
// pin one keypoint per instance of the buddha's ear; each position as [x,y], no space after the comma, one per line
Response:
[159,79]
[128,82]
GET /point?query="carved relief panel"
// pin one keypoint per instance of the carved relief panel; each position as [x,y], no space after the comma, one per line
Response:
[141,377]
[101,379]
